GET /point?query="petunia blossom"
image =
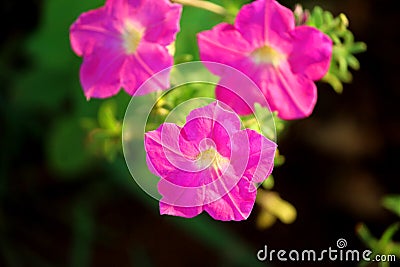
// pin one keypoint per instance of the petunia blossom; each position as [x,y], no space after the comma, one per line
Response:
[209,164]
[123,43]
[282,59]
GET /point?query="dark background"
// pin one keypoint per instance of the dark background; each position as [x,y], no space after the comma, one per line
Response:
[340,161]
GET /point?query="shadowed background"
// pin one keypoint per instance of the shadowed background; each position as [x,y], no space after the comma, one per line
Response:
[62,206]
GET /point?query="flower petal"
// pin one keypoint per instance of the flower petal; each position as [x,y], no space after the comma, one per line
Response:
[159,18]
[217,111]
[236,204]
[176,195]
[170,155]
[148,60]
[261,156]
[233,100]
[222,44]
[214,122]
[297,95]
[100,73]
[186,212]
[265,22]
[92,30]
[190,189]
[239,93]
[292,95]
[312,51]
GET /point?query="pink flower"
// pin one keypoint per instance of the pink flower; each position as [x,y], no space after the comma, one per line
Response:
[123,43]
[209,164]
[282,59]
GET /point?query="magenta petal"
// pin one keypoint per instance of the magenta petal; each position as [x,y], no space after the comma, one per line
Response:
[236,204]
[232,99]
[312,52]
[151,167]
[177,195]
[186,212]
[91,30]
[282,60]
[240,94]
[292,95]
[190,189]
[265,21]
[100,73]
[193,180]
[261,158]
[214,121]
[224,40]
[120,8]
[203,131]
[123,44]
[149,60]
[160,18]
[171,156]
[219,112]
[296,96]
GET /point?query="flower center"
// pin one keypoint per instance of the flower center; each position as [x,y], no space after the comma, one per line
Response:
[267,55]
[132,34]
[211,158]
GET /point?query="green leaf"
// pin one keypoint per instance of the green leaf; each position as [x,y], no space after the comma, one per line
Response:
[363,232]
[342,64]
[383,264]
[88,123]
[358,47]
[392,203]
[111,149]
[107,116]
[387,236]
[333,81]
[335,38]
[66,147]
[343,46]
[353,62]
[50,44]
[279,159]
[269,183]
[318,16]
[348,37]
[395,249]
[383,246]
[328,17]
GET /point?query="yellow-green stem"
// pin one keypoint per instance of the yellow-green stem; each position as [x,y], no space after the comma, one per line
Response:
[203,5]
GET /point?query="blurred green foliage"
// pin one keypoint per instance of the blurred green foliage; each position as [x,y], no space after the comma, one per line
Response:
[46,100]
[392,203]
[385,245]
[165,103]
[344,46]
[104,134]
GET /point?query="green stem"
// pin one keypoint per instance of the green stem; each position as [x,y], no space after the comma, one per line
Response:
[203,5]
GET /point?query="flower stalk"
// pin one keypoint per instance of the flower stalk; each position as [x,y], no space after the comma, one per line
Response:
[203,5]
